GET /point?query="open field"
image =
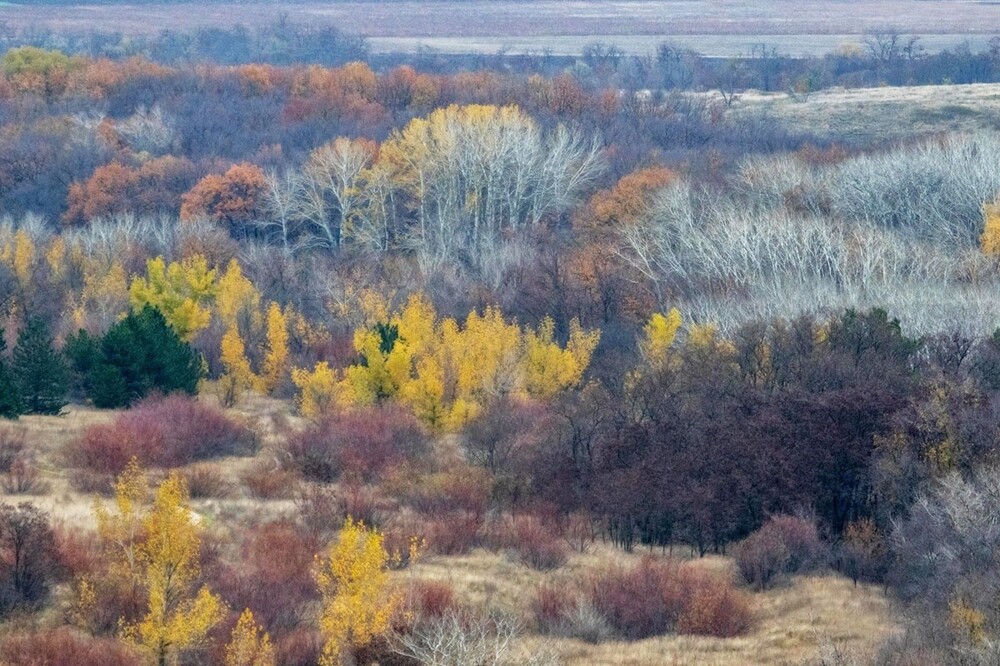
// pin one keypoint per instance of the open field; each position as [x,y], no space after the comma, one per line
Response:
[560,26]
[874,114]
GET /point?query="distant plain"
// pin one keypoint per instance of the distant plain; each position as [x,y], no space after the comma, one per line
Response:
[713,27]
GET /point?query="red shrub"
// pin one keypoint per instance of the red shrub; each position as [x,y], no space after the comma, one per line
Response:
[164,432]
[273,577]
[399,535]
[453,534]
[79,551]
[56,647]
[458,488]
[714,608]
[206,481]
[300,647]
[361,444]
[654,598]
[535,544]
[430,599]
[323,509]
[785,544]
[265,479]
[761,558]
[806,550]
[551,606]
[636,602]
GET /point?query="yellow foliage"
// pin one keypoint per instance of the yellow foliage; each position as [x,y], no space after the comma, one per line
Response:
[168,557]
[182,291]
[445,371]
[120,530]
[276,361]
[990,239]
[238,375]
[318,390]
[236,299]
[967,622]
[24,257]
[105,295]
[249,644]
[548,368]
[659,335]
[358,601]
[55,257]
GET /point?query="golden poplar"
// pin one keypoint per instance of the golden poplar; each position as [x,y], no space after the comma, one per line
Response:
[358,601]
[249,645]
[276,361]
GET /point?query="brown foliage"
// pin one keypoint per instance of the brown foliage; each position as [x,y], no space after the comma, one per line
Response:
[654,598]
[266,479]
[360,445]
[623,203]
[161,432]
[153,187]
[56,647]
[233,198]
[535,544]
[273,577]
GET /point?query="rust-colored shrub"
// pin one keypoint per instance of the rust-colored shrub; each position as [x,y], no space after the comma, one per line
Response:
[273,577]
[56,647]
[266,480]
[23,478]
[713,608]
[300,647]
[79,550]
[464,488]
[163,432]
[654,598]
[453,533]
[551,606]
[206,481]
[535,544]
[430,599]
[361,445]
[784,545]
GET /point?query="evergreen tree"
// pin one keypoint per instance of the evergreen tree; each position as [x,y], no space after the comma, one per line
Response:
[10,396]
[40,370]
[138,355]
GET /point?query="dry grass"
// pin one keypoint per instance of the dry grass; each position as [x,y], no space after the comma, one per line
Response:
[867,114]
[793,622]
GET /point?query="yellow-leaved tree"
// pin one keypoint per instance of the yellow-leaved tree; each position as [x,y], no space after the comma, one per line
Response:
[445,370]
[318,389]
[182,291]
[549,368]
[237,300]
[105,294]
[158,546]
[659,335]
[238,376]
[121,528]
[249,645]
[358,599]
[276,360]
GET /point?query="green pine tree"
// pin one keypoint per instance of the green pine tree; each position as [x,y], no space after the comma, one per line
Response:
[40,370]
[138,355]
[10,396]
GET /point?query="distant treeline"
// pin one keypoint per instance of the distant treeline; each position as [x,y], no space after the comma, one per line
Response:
[886,57]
